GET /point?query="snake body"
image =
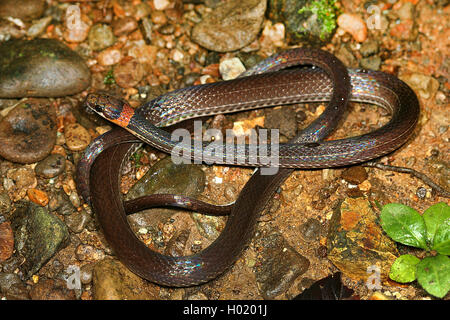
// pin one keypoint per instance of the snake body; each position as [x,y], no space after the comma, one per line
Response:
[266,84]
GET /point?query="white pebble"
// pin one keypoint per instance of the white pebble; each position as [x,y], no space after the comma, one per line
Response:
[231,68]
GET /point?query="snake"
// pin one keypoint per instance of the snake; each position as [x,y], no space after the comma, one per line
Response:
[293,76]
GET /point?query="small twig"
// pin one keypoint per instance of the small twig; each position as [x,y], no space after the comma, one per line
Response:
[441,191]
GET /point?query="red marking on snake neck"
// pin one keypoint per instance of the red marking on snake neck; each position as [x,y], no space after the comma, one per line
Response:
[125,116]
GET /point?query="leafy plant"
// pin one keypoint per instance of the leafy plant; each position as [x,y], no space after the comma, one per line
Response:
[325,10]
[431,232]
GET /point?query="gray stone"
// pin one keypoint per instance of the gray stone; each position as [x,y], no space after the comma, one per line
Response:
[231,26]
[40,68]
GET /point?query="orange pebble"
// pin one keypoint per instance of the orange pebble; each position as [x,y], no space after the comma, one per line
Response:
[38,196]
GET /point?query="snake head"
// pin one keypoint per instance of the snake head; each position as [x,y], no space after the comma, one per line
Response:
[105,105]
[110,108]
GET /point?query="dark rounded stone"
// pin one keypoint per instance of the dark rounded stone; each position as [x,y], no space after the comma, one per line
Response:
[40,68]
[51,166]
[28,132]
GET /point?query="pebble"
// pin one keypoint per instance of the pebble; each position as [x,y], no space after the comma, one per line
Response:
[77,25]
[38,196]
[111,280]
[40,68]
[208,226]
[372,63]
[77,137]
[280,265]
[231,68]
[22,179]
[38,27]
[230,26]
[354,174]
[274,34]
[86,273]
[61,203]
[101,37]
[51,167]
[38,236]
[124,26]
[85,252]
[369,48]
[129,74]
[176,245]
[354,25]
[6,241]
[77,221]
[24,10]
[161,4]
[50,289]
[109,56]
[422,84]
[5,205]
[158,17]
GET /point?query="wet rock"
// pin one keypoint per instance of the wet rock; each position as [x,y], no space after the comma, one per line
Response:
[113,281]
[77,137]
[77,221]
[101,37]
[129,74]
[24,10]
[165,177]
[12,288]
[50,289]
[40,68]
[356,241]
[230,26]
[28,132]
[6,241]
[355,174]
[38,236]
[353,24]
[283,119]
[51,166]
[280,265]
[310,230]
[312,22]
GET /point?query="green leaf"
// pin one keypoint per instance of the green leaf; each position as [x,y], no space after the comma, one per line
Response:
[403,269]
[404,224]
[441,241]
[434,216]
[433,274]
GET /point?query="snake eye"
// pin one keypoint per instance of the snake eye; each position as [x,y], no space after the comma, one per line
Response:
[98,108]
